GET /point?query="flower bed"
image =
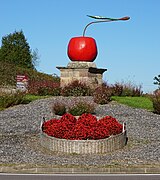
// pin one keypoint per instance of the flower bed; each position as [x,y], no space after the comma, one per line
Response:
[83,135]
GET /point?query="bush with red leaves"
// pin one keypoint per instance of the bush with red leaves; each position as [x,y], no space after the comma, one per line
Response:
[85,127]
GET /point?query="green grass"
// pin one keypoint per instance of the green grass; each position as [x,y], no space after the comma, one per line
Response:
[29,97]
[136,102]
[13,101]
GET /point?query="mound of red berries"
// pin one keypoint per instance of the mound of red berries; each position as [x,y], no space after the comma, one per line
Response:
[85,127]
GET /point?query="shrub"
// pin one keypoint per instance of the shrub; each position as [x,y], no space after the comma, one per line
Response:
[44,91]
[102,94]
[117,89]
[11,99]
[44,88]
[156,101]
[126,89]
[85,127]
[59,109]
[110,123]
[81,107]
[137,91]
[76,88]
[129,89]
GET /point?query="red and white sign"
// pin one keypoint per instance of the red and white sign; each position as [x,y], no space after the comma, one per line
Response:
[22,82]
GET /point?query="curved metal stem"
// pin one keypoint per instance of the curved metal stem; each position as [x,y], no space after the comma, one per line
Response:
[93,23]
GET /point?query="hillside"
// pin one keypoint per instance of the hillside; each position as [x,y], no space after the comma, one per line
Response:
[8,74]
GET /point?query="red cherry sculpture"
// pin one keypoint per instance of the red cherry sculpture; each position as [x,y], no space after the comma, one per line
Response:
[82,49]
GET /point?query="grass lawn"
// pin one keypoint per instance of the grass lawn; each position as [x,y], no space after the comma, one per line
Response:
[136,102]
[29,97]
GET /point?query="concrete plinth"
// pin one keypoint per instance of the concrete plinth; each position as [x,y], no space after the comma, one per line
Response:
[86,72]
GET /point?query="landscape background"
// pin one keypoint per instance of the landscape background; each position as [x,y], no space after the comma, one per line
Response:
[129,50]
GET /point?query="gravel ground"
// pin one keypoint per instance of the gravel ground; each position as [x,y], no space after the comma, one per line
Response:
[19,137]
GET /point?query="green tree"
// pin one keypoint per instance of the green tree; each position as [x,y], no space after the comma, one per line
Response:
[16,50]
[35,57]
[157,80]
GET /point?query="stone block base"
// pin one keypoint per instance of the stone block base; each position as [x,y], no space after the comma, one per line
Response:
[86,72]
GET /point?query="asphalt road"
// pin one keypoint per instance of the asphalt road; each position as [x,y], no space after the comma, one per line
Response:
[78,177]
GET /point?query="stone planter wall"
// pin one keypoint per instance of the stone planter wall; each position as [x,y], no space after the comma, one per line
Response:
[83,146]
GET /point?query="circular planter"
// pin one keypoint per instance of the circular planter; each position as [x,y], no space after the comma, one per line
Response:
[83,146]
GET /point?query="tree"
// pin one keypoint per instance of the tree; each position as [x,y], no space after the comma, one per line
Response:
[157,80]
[35,57]
[16,50]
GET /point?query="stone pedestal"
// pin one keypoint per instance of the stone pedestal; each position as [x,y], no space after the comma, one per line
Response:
[83,71]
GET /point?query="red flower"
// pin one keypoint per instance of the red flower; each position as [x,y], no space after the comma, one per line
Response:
[87,120]
[86,127]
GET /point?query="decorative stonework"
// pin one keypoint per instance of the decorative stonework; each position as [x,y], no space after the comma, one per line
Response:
[84,146]
[81,64]
[83,71]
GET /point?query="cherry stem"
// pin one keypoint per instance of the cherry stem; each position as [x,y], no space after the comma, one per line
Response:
[108,20]
[93,23]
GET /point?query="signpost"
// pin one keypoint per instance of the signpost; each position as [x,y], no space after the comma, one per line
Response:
[22,82]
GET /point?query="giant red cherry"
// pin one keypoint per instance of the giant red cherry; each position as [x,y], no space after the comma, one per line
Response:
[82,49]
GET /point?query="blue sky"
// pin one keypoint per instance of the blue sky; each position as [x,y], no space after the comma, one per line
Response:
[129,50]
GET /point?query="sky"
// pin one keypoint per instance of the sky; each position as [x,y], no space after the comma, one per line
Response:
[129,50]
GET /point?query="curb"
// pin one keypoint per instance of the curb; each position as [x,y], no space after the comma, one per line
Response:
[50,170]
